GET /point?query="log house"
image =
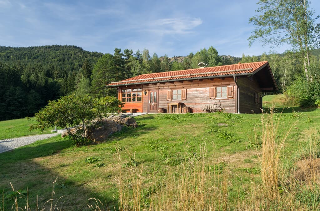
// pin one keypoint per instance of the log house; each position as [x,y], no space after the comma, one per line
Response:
[233,88]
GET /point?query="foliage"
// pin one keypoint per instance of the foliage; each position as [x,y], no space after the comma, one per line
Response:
[32,76]
[210,57]
[286,21]
[102,74]
[303,93]
[287,67]
[75,111]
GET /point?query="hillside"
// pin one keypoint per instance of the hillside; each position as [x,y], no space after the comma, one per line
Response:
[56,55]
[32,76]
[175,162]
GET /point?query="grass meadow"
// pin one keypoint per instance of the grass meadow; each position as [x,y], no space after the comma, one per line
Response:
[19,127]
[213,161]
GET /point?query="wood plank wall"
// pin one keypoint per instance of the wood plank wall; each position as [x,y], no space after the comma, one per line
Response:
[248,88]
[197,94]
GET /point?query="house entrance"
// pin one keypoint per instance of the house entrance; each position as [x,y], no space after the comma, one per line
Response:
[153,101]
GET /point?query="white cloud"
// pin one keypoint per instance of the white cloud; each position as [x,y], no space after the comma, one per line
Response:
[173,25]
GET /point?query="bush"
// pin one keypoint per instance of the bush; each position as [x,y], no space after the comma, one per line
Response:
[75,111]
[304,93]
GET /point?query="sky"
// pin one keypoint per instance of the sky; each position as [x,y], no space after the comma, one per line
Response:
[171,27]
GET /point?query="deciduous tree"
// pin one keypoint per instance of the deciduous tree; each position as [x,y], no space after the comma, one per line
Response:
[286,21]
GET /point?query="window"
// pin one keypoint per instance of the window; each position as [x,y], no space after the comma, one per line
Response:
[222,92]
[176,94]
[131,95]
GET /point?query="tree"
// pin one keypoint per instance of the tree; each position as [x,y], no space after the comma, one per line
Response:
[165,64]
[200,56]
[213,58]
[146,61]
[82,86]
[187,62]
[210,57]
[75,111]
[119,64]
[286,21]
[104,72]
[86,68]
[155,63]
[175,65]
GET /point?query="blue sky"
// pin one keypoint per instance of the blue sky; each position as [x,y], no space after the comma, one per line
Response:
[172,27]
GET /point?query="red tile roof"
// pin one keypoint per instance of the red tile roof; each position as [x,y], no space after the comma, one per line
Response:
[206,72]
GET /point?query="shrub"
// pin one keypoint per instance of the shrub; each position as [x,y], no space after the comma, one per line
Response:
[75,111]
[304,93]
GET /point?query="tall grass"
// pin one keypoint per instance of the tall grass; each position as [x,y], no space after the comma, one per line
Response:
[193,186]
[271,151]
[188,186]
[21,201]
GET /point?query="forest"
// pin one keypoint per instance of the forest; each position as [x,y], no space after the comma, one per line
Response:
[32,76]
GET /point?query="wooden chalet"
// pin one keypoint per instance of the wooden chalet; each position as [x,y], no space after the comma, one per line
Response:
[233,88]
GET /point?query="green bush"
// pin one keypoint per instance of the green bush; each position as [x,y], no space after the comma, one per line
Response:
[304,93]
[75,111]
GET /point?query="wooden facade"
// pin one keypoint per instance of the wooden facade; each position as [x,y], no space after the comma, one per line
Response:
[241,93]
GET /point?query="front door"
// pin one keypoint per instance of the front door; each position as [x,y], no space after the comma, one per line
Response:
[153,101]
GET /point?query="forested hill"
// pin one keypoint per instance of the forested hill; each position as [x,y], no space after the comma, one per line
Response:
[31,76]
[64,58]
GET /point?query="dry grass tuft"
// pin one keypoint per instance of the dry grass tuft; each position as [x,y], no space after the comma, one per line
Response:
[271,149]
[189,186]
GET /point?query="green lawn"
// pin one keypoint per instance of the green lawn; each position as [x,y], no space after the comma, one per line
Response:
[187,161]
[19,127]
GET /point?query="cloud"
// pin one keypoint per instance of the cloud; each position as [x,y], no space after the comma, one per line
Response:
[173,25]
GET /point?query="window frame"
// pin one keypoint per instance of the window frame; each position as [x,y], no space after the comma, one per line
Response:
[223,92]
[176,93]
[132,95]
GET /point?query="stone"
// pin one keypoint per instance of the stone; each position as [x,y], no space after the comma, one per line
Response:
[100,130]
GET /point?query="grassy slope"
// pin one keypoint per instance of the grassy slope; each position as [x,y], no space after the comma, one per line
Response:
[18,127]
[152,155]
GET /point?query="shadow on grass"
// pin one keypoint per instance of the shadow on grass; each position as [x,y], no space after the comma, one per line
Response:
[25,168]
[132,132]
[289,109]
[144,117]
[38,149]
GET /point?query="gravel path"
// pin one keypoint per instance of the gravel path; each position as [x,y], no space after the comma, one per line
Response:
[12,143]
